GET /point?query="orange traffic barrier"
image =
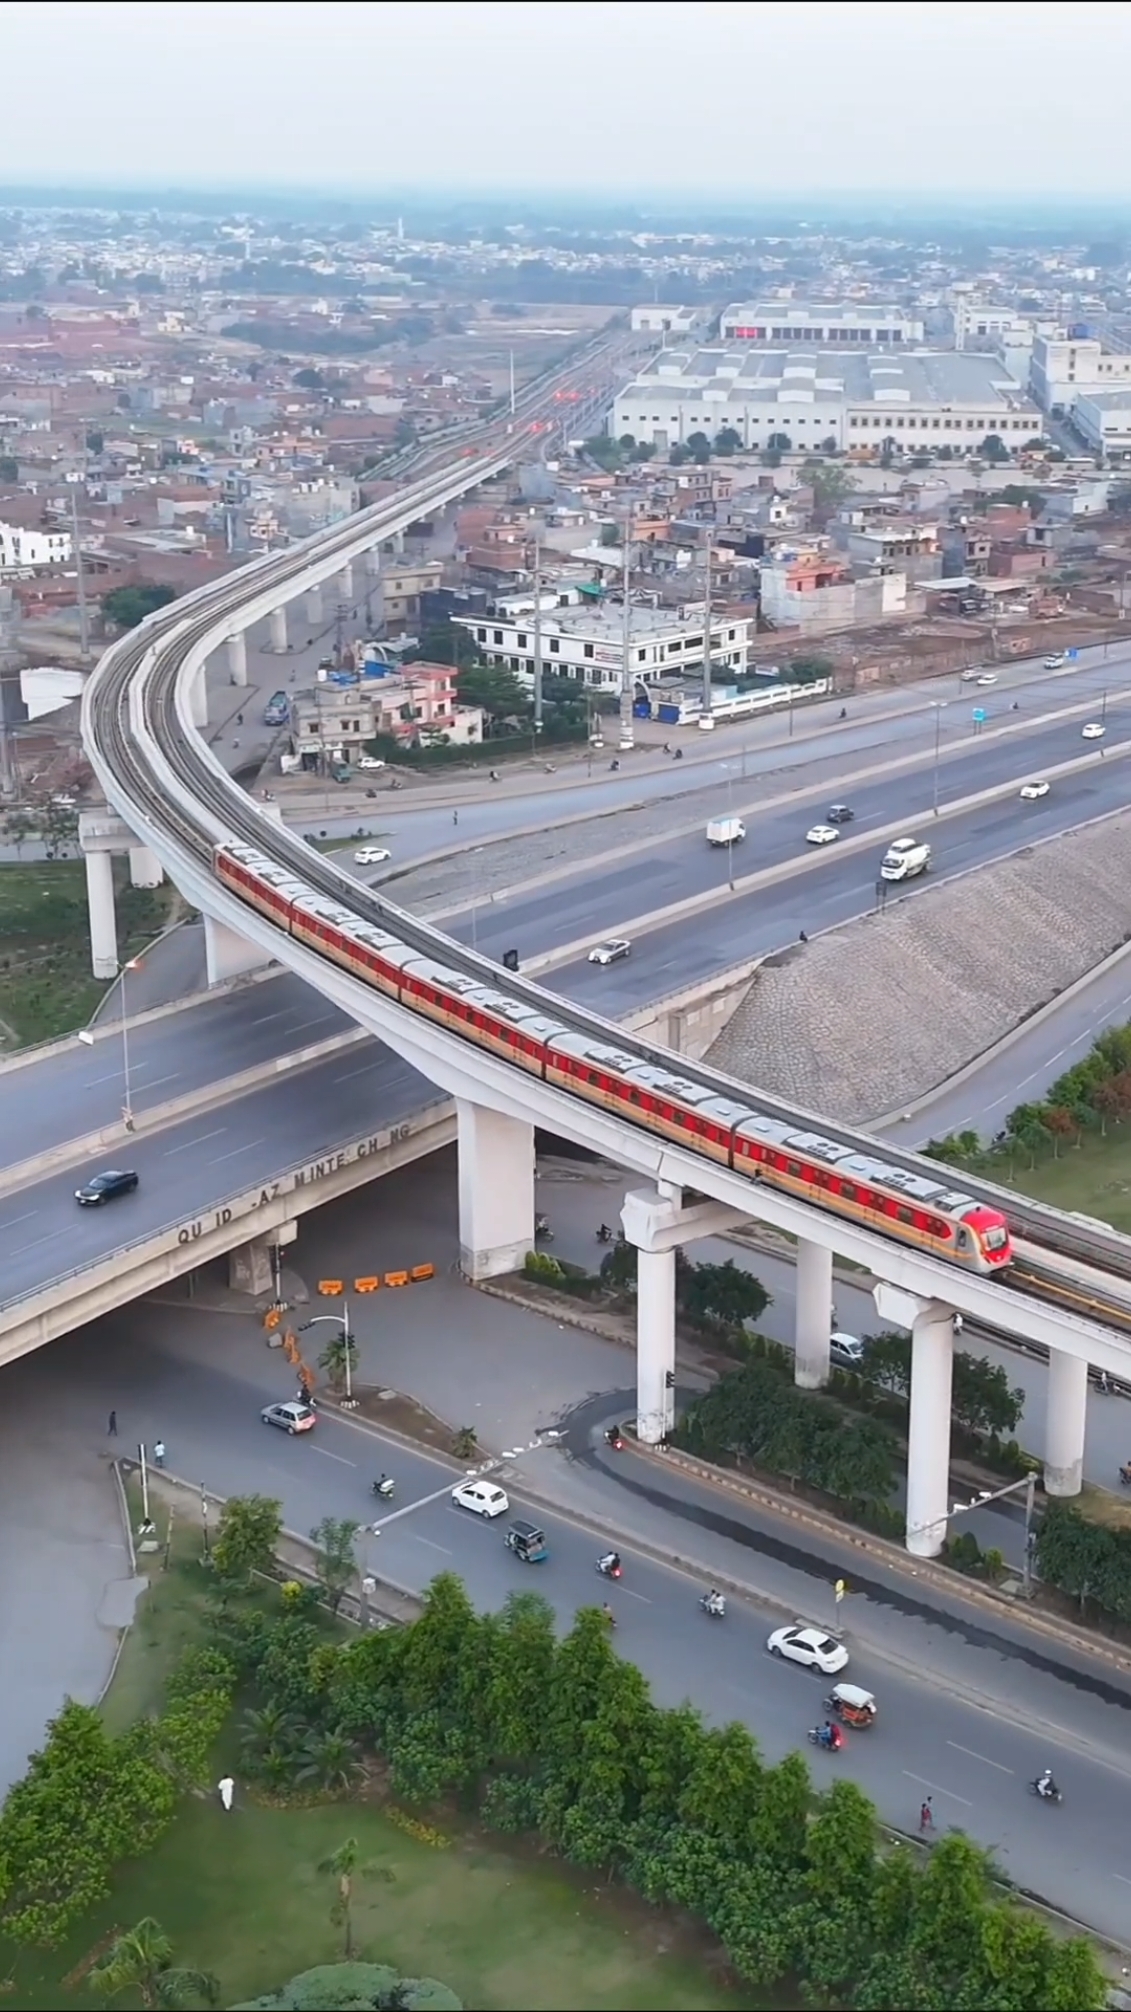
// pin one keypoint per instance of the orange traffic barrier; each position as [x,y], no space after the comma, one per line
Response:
[396,1278]
[330,1287]
[421,1271]
[366,1284]
[272,1318]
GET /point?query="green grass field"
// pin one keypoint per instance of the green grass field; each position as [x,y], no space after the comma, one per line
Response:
[1093,1178]
[46,987]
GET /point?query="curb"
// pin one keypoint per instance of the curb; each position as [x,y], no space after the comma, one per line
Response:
[193,1104]
[108,1030]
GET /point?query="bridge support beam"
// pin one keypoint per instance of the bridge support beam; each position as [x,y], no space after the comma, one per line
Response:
[655,1345]
[252,1267]
[277,625]
[237,658]
[813,1319]
[1066,1420]
[146,869]
[496,1191]
[345,584]
[228,955]
[100,908]
[313,603]
[928,1434]
[397,541]
[373,561]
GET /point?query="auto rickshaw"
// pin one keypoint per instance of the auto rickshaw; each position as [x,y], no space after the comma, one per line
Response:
[852,1705]
[527,1542]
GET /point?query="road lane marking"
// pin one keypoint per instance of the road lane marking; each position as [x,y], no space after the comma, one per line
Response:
[1122,1878]
[339,1457]
[265,1017]
[10,1222]
[186,1143]
[984,1758]
[91,1082]
[323,1020]
[936,1790]
[366,1070]
[235,1152]
[158,1081]
[431,1546]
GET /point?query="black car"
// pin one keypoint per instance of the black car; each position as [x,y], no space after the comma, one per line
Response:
[841,813]
[105,1187]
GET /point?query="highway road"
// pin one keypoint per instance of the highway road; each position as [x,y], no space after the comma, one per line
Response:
[970,1709]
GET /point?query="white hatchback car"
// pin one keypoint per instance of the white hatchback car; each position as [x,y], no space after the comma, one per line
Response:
[371,855]
[988,678]
[822,834]
[370,761]
[1093,731]
[1030,791]
[483,1498]
[1056,661]
[810,1646]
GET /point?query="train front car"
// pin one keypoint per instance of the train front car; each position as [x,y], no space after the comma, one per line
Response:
[989,1233]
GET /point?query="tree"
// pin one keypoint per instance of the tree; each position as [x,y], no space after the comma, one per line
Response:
[724,1293]
[1060,1124]
[727,440]
[125,607]
[830,482]
[329,1760]
[309,379]
[19,826]
[344,1866]
[9,468]
[993,448]
[779,443]
[141,1960]
[247,1538]
[336,1563]
[339,1350]
[95,440]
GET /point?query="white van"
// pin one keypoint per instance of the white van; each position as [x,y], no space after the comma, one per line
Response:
[905,858]
[725,831]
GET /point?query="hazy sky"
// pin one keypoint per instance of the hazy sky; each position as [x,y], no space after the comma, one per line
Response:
[730,97]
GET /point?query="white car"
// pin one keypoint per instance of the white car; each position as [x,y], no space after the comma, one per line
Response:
[370,761]
[1030,791]
[612,952]
[371,855]
[293,1417]
[821,834]
[988,678]
[847,1350]
[483,1498]
[810,1646]
[1093,731]
[1056,661]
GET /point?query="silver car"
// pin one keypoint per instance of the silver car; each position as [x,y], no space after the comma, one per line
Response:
[611,952]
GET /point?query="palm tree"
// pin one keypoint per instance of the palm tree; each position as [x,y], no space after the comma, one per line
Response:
[329,1759]
[343,1865]
[269,1731]
[141,1961]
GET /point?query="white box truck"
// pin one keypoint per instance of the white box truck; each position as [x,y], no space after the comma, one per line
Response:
[725,831]
[905,858]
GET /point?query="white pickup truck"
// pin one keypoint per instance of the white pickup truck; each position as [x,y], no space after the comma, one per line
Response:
[905,858]
[725,831]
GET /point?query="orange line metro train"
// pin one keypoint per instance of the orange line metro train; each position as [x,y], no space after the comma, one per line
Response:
[912,1208]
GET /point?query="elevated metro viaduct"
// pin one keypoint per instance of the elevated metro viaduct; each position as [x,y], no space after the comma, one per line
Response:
[498,1105]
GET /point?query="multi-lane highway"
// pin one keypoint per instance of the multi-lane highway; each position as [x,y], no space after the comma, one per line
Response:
[201,1161]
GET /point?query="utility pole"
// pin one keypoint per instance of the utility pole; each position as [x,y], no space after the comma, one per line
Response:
[627,736]
[84,620]
[537,639]
[708,715]
[512,382]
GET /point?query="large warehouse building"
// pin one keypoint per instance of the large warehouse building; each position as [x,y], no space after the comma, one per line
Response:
[813,397]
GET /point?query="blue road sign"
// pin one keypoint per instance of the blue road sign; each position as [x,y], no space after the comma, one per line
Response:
[1072,655]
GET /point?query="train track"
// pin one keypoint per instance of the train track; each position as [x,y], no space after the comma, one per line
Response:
[1074,1263]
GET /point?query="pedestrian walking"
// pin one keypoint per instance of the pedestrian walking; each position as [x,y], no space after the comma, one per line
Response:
[226,1789]
[926,1816]
[159,1452]
[455,817]
[112,1425]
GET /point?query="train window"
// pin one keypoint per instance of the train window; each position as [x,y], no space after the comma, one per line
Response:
[963,1239]
[848,1190]
[904,1215]
[793,1167]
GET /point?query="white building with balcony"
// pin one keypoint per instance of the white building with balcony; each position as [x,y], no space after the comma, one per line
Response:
[588,643]
[24,551]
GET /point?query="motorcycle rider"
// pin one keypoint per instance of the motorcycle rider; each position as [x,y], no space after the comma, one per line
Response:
[604,1234]
[1046,1786]
[609,1564]
[714,1603]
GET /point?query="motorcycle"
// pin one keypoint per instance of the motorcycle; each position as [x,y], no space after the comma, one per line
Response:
[1049,1794]
[542,1229]
[604,1234]
[384,1488]
[609,1566]
[614,1438]
[614,765]
[715,1605]
[678,755]
[820,1736]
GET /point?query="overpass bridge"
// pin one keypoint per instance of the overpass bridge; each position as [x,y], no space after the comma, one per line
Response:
[141,713]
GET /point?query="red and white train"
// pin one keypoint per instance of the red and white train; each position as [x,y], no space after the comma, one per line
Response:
[913,1208]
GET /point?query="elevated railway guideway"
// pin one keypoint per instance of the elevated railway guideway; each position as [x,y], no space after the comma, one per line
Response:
[515,1055]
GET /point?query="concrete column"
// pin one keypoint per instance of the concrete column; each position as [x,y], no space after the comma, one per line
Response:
[237,658]
[373,561]
[655,1345]
[251,1268]
[813,1320]
[496,1191]
[100,908]
[397,541]
[146,869]
[278,631]
[928,1438]
[228,955]
[345,583]
[313,604]
[1066,1420]
[198,699]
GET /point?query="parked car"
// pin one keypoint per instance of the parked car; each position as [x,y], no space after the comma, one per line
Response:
[371,855]
[106,1187]
[847,1350]
[370,761]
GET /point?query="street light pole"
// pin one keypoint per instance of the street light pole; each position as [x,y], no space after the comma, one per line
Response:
[939,706]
